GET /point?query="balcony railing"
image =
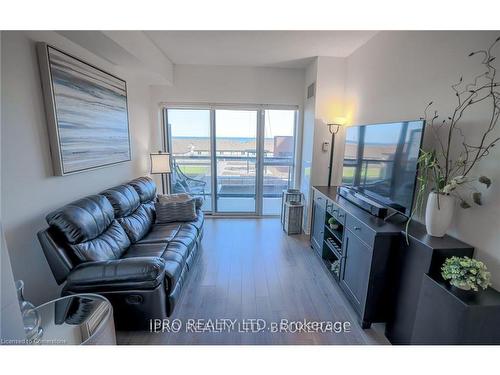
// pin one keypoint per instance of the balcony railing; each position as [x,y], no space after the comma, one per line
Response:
[236,172]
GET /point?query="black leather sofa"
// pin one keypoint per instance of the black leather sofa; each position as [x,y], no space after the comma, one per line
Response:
[109,244]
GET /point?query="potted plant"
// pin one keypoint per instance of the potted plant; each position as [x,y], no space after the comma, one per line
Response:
[448,175]
[333,224]
[466,274]
[335,267]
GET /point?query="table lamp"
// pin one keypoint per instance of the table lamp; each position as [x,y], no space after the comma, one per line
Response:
[160,164]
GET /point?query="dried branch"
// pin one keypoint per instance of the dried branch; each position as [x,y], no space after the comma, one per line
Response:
[470,95]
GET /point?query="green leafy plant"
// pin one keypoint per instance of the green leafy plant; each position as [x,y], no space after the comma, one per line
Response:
[335,267]
[334,224]
[439,170]
[466,273]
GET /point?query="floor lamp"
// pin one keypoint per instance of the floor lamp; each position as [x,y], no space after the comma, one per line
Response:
[160,164]
[334,129]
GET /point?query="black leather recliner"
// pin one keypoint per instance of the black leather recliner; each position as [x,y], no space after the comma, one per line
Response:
[109,244]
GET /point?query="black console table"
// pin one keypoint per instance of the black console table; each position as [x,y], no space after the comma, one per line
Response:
[423,254]
[447,317]
[379,273]
[357,253]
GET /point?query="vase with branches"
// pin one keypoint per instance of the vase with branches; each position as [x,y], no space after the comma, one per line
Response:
[450,176]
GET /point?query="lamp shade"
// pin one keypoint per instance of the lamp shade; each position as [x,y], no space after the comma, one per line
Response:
[160,163]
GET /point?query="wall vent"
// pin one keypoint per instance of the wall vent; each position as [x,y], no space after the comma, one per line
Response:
[311,90]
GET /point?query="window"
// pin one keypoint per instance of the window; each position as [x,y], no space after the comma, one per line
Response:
[239,159]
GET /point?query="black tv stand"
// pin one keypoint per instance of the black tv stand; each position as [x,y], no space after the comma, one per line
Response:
[394,213]
[376,265]
[374,208]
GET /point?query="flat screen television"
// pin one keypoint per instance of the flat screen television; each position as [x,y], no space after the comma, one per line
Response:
[380,162]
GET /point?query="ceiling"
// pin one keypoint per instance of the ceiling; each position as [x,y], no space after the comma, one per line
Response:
[288,49]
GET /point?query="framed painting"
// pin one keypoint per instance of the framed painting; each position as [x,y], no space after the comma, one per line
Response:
[86,110]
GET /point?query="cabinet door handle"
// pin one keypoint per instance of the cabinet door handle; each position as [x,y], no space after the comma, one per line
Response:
[357,228]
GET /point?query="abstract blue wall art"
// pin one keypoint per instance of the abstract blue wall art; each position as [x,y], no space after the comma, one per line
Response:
[86,112]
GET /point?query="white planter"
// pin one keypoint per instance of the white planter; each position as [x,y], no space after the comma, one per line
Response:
[438,218]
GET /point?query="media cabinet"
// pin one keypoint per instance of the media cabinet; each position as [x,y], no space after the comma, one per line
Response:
[369,258]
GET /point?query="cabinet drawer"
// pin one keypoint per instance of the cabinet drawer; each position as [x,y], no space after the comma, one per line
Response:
[360,230]
[337,212]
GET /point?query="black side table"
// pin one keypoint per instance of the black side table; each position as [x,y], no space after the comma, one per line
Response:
[446,316]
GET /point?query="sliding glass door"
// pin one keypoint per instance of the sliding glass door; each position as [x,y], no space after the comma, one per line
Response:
[188,141]
[238,159]
[278,157]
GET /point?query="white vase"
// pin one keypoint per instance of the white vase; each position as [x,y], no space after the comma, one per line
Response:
[438,217]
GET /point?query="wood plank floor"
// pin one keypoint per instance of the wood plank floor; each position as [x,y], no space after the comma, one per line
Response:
[250,269]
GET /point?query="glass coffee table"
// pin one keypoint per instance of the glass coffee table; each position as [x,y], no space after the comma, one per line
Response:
[80,319]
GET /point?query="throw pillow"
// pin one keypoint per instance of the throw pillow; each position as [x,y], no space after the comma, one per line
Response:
[168,212]
[167,198]
[181,197]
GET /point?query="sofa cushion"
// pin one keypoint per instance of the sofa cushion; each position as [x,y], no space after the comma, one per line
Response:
[145,187]
[161,233]
[160,250]
[192,257]
[123,198]
[173,255]
[178,248]
[82,220]
[186,235]
[175,211]
[136,273]
[175,258]
[173,272]
[138,223]
[145,250]
[111,244]
[198,222]
[150,207]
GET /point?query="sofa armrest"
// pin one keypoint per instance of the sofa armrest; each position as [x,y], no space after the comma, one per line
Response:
[120,274]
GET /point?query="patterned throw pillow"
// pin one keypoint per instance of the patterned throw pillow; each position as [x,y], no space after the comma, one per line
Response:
[167,212]
[167,198]
[182,197]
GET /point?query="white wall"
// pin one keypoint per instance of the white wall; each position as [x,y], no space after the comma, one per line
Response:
[11,322]
[29,189]
[228,85]
[11,326]
[308,141]
[331,76]
[393,77]
[329,73]
[231,84]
